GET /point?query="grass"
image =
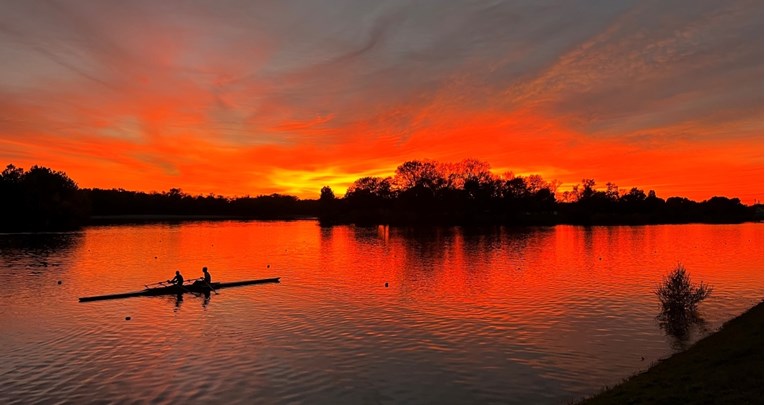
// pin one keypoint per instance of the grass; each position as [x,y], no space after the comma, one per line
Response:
[723,368]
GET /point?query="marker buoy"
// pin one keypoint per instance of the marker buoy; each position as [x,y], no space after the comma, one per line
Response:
[59,282]
[386,284]
[127,318]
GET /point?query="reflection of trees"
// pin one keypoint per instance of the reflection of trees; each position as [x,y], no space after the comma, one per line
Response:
[679,326]
[425,251]
[39,245]
[43,255]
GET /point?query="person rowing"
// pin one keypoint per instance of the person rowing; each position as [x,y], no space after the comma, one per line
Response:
[177,280]
[205,280]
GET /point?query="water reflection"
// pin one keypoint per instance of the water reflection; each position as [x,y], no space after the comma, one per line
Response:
[44,257]
[178,302]
[39,242]
[492,315]
[681,327]
[37,248]
[178,299]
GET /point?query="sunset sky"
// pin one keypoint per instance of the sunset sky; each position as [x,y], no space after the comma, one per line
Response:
[259,97]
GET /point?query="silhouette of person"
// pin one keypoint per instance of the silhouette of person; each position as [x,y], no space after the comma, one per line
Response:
[205,280]
[178,279]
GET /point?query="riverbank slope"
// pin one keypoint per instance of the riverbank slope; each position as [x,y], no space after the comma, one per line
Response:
[723,368]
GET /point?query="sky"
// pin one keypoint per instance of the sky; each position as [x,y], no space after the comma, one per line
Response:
[247,97]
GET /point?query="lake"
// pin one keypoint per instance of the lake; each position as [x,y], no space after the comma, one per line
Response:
[503,315]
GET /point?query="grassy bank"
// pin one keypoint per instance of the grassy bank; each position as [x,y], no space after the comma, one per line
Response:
[723,368]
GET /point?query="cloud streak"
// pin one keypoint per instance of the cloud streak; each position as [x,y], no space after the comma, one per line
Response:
[239,97]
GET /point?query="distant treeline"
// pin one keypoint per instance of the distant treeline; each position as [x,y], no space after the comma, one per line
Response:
[421,192]
[469,193]
[44,199]
[118,202]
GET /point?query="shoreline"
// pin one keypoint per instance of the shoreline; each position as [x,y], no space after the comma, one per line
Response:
[723,367]
[108,219]
[139,219]
[98,220]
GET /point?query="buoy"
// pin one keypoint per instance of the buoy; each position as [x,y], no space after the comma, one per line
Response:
[268,266]
[127,318]
[59,282]
[155,257]
[386,284]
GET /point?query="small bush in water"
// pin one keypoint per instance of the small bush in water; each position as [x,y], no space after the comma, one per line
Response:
[678,296]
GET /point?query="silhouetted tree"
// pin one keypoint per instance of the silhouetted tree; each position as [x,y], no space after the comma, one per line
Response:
[469,170]
[679,299]
[612,191]
[12,175]
[634,196]
[467,192]
[370,189]
[420,192]
[40,199]
[417,175]
[326,194]
[678,296]
[536,183]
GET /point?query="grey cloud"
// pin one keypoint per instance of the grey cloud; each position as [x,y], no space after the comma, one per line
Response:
[606,65]
[698,63]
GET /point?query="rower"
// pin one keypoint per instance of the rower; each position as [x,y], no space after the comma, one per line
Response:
[178,279]
[205,280]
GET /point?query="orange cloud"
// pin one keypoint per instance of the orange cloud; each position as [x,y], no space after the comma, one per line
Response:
[254,100]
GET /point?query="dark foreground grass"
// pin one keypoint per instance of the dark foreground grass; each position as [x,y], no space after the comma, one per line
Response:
[723,368]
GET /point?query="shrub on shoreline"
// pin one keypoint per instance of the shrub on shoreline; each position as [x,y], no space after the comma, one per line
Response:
[678,296]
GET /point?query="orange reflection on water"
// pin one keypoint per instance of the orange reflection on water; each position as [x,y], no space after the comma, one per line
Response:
[559,311]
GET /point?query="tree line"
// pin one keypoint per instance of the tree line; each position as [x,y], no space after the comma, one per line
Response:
[420,192]
[43,199]
[468,192]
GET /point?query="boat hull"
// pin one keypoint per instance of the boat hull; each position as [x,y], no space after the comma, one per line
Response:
[174,290]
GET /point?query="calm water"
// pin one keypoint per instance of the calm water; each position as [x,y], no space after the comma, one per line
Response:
[542,315]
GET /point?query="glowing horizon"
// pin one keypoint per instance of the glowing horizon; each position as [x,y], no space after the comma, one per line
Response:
[234,98]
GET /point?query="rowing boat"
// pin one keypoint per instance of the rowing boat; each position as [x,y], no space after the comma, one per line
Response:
[174,289]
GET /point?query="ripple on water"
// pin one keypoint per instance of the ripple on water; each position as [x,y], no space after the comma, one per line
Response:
[541,316]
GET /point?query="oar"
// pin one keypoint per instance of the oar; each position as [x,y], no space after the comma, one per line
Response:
[159,283]
[209,286]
